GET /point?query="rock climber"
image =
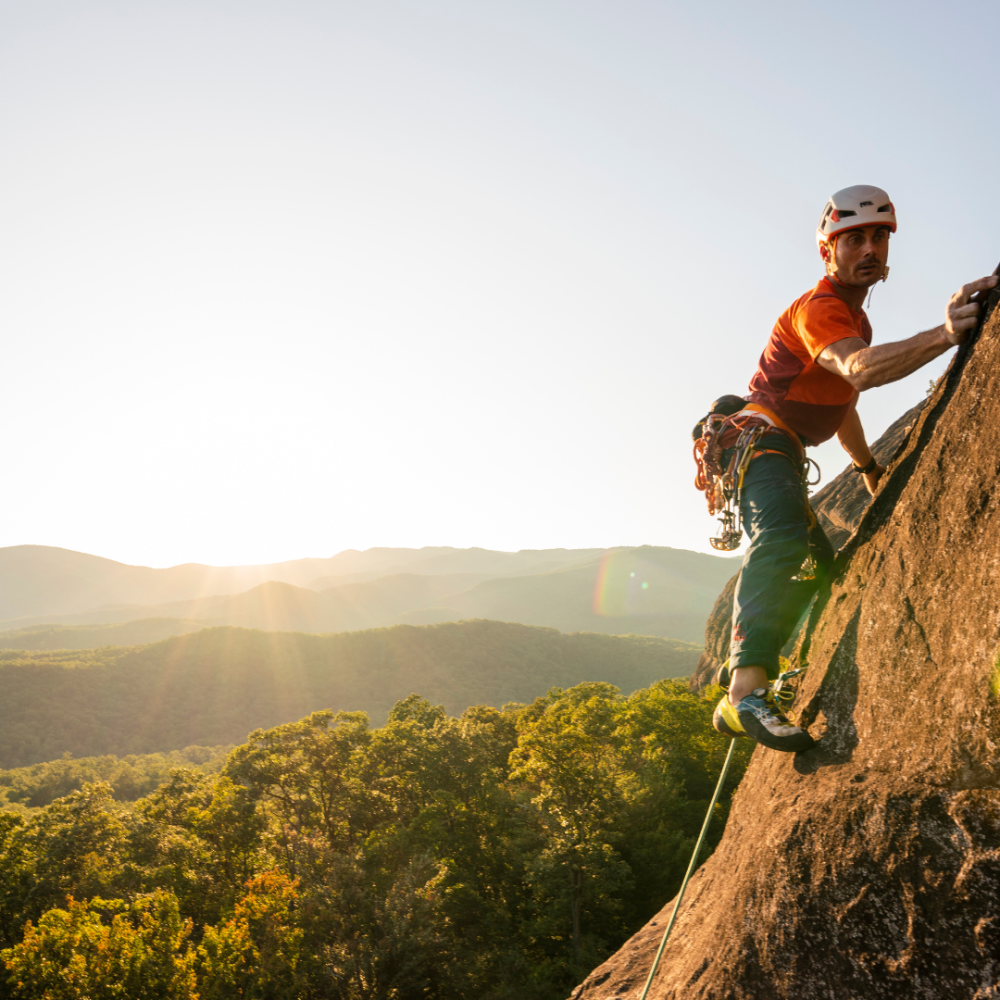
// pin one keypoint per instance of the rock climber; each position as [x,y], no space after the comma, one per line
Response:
[805,390]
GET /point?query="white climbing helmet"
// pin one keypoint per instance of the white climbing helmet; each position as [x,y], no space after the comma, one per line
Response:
[854,208]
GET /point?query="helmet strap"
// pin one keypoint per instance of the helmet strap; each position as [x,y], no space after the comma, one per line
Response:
[885,276]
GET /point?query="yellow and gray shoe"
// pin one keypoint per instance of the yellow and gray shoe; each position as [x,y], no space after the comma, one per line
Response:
[764,722]
[725,719]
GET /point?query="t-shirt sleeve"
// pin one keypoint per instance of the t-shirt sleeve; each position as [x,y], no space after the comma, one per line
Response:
[822,322]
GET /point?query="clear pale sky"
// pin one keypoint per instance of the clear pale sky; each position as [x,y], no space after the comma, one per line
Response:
[281,279]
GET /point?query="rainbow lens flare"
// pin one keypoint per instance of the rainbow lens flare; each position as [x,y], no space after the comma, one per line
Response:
[622,586]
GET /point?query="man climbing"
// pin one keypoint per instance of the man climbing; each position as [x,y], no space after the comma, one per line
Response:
[805,390]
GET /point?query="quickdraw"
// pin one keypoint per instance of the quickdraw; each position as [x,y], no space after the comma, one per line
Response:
[782,693]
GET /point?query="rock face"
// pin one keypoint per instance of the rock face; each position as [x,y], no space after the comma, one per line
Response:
[839,506]
[869,867]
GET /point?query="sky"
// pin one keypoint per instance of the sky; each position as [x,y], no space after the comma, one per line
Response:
[283,279]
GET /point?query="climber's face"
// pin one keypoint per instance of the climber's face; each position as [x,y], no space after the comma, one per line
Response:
[858,257]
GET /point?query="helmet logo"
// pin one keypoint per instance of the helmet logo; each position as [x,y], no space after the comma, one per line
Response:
[865,203]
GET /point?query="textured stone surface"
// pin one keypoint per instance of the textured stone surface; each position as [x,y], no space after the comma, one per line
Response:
[839,506]
[869,867]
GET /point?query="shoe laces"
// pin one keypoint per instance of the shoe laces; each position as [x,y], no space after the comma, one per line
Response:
[771,706]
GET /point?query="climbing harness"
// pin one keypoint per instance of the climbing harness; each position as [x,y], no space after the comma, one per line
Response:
[723,485]
[782,695]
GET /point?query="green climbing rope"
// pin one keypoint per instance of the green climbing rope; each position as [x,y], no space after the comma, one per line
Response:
[687,875]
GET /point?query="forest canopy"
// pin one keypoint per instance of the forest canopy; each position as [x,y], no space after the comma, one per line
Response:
[496,855]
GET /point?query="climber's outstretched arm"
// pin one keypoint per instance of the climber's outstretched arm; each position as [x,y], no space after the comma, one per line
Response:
[866,367]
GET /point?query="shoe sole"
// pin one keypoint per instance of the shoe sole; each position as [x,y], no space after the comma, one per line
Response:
[788,744]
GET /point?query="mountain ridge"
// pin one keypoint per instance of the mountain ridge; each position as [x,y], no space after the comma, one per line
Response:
[646,589]
[39,579]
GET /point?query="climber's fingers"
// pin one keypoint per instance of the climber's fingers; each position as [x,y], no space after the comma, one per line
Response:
[962,314]
[982,284]
[959,312]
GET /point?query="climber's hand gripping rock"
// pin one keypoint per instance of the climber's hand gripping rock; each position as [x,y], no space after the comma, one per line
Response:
[865,367]
[962,313]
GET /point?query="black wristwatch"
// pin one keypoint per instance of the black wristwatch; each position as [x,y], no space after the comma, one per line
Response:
[868,469]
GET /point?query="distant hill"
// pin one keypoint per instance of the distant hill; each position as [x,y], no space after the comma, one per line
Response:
[444,562]
[40,581]
[646,590]
[133,633]
[212,687]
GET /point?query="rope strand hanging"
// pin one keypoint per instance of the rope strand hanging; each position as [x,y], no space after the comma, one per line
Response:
[690,870]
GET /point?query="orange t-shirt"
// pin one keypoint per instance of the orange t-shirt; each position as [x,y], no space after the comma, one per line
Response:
[789,386]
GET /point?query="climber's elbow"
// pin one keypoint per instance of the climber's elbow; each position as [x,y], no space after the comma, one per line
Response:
[850,360]
[864,372]
[860,377]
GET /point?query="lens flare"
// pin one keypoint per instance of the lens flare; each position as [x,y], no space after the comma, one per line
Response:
[622,584]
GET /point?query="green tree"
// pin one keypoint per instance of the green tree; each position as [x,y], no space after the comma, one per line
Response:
[444,815]
[74,954]
[302,771]
[201,837]
[256,954]
[676,759]
[575,761]
[16,866]
[381,934]
[75,847]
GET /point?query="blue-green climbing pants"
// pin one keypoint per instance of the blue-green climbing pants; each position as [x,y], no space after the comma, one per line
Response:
[768,604]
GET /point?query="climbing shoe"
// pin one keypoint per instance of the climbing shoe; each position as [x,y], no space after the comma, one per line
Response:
[725,719]
[768,725]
